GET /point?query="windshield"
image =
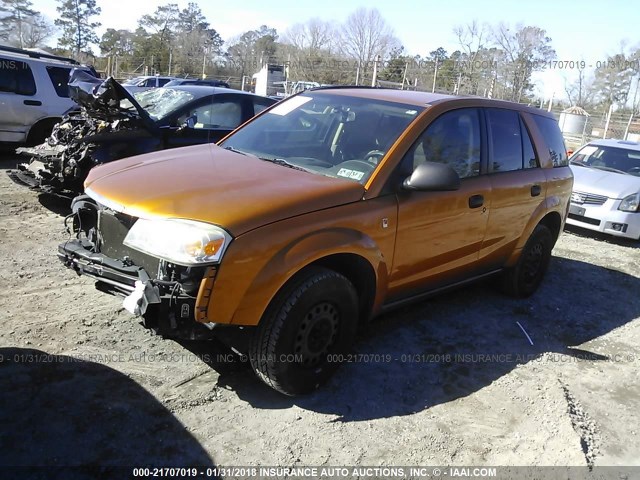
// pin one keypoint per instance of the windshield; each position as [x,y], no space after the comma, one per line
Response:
[611,159]
[160,102]
[326,134]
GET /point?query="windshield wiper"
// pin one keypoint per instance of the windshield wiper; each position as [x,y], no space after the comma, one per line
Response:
[284,163]
[579,164]
[235,150]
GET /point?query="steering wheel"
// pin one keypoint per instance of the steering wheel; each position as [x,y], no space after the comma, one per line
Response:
[634,170]
[359,165]
[375,156]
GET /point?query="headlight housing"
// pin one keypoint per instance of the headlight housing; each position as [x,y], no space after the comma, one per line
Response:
[183,242]
[630,203]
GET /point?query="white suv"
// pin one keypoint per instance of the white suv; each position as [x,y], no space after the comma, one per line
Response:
[33,93]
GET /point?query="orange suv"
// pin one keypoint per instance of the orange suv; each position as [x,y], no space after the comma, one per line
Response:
[329,208]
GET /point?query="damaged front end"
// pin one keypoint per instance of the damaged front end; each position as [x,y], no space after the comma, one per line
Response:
[171,299]
[102,130]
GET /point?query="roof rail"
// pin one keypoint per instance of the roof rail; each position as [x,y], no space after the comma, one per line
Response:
[5,48]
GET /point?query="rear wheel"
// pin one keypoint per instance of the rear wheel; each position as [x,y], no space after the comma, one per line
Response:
[302,335]
[523,279]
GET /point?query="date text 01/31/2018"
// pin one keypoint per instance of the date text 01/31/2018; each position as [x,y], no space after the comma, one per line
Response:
[582,64]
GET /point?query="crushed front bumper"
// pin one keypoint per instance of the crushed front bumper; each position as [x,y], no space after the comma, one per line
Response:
[164,305]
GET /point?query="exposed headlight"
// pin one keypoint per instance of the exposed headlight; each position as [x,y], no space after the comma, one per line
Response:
[630,203]
[184,242]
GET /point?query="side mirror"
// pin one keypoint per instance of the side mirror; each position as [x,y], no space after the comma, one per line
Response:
[432,177]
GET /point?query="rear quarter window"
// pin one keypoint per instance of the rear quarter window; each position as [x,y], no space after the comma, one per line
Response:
[59,77]
[16,77]
[553,139]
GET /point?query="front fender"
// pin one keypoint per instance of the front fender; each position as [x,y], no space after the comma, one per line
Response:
[259,263]
[300,254]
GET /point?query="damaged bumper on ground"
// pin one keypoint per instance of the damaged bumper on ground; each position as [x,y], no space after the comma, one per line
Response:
[171,299]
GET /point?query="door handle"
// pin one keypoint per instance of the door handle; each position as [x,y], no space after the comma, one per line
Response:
[476,201]
[536,190]
[33,103]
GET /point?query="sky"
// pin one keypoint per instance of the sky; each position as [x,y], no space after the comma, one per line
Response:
[580,30]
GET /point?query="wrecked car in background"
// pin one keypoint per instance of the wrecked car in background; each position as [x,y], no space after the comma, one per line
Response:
[112,124]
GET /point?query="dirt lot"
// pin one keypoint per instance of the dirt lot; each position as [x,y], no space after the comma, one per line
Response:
[82,382]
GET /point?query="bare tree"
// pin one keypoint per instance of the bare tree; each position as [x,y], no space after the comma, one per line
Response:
[313,35]
[15,21]
[472,38]
[580,92]
[526,49]
[308,48]
[36,30]
[364,36]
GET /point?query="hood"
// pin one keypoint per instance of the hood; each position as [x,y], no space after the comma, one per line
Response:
[210,184]
[101,98]
[601,182]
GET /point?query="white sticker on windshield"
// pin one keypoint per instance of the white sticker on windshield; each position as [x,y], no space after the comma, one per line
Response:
[588,150]
[411,112]
[287,106]
[354,174]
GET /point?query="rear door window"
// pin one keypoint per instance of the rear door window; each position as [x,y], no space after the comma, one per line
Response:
[506,140]
[511,145]
[16,77]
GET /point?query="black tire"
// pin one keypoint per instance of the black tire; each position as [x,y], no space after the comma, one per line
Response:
[523,279]
[309,325]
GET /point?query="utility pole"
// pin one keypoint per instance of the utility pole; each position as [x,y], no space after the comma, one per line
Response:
[606,125]
[404,77]
[374,79]
[435,76]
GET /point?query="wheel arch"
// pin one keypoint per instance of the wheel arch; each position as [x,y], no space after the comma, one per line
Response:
[553,221]
[345,251]
[359,271]
[42,126]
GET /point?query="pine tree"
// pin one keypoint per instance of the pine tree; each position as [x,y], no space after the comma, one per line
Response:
[78,31]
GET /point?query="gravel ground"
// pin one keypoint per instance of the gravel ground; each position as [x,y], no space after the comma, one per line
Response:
[451,381]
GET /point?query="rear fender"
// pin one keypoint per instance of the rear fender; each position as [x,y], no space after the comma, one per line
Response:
[550,207]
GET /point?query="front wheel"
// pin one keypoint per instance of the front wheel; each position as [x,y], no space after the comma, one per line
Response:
[523,279]
[309,325]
